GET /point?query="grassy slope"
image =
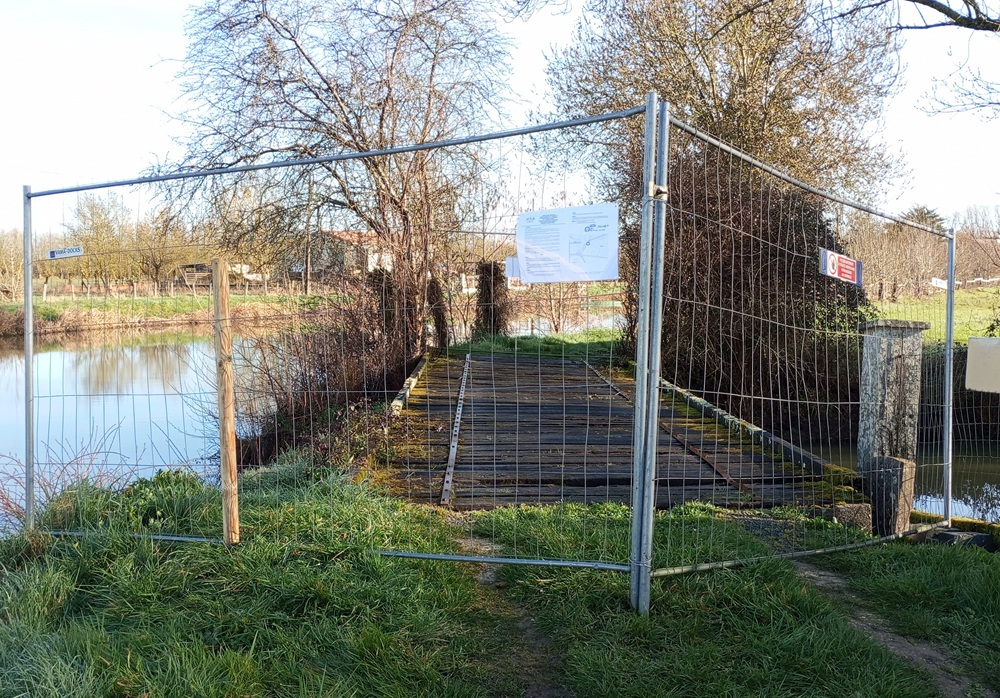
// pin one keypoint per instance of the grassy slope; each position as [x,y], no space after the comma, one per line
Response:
[942,594]
[973,312]
[65,315]
[303,607]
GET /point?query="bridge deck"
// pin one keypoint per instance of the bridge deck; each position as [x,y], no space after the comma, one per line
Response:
[543,430]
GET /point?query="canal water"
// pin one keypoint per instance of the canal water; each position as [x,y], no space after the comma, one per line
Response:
[975,489]
[134,406]
[127,408]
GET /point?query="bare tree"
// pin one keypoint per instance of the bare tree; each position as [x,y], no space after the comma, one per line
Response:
[11,265]
[561,304]
[773,78]
[289,78]
[104,227]
[979,237]
[967,14]
[253,226]
[968,89]
[161,245]
[926,255]
[880,246]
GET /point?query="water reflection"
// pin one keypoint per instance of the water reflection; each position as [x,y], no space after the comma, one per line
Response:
[981,499]
[115,370]
[975,481]
[147,404]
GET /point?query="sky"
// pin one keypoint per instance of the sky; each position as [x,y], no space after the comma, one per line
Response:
[89,85]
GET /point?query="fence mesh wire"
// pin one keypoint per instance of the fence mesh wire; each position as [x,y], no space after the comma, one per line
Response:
[123,374]
[429,374]
[331,316]
[762,360]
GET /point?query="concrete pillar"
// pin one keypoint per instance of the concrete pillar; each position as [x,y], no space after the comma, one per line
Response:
[887,429]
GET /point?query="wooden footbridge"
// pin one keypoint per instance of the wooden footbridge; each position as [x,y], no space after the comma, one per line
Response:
[478,432]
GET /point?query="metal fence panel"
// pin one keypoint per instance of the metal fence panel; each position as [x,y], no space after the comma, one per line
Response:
[511,438]
[764,406]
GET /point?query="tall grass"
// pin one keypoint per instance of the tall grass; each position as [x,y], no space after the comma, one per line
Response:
[60,470]
[948,595]
[303,607]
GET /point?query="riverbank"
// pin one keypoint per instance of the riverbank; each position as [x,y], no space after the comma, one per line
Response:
[68,317]
[304,607]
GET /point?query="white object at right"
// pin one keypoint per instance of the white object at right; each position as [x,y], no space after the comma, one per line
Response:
[983,371]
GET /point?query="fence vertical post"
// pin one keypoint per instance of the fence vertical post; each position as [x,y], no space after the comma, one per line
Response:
[29,382]
[227,400]
[652,426]
[636,571]
[891,361]
[949,385]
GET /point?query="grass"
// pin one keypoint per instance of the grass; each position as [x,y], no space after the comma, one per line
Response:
[753,631]
[164,306]
[596,344]
[937,593]
[304,607]
[80,314]
[974,311]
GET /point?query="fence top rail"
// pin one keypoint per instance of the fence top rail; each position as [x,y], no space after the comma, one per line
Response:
[701,135]
[297,162]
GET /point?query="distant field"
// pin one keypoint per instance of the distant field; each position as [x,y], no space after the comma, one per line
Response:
[973,312]
[144,306]
[66,315]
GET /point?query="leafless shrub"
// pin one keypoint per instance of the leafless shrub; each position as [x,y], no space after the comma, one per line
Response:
[293,382]
[492,303]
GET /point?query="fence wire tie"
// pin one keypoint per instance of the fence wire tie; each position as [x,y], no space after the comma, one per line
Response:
[659,192]
[646,564]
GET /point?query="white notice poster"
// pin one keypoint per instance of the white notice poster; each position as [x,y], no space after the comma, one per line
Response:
[579,243]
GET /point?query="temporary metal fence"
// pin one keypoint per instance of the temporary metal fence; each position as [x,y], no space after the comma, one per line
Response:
[784,388]
[700,412]
[315,370]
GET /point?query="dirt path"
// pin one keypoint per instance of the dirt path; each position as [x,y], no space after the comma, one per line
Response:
[951,679]
[535,657]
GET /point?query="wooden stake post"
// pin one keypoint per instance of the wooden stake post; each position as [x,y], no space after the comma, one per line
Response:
[227,402]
